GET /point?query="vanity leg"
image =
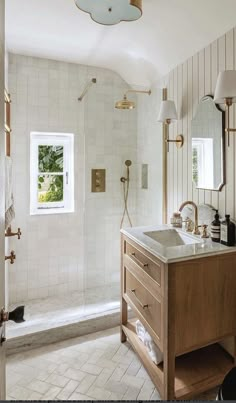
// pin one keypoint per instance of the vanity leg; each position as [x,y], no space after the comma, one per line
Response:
[169,376]
[235,351]
[124,317]
[169,335]
[123,303]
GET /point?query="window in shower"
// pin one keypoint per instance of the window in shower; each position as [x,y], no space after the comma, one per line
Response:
[51,173]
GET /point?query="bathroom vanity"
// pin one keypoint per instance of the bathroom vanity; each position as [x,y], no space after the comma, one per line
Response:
[182,289]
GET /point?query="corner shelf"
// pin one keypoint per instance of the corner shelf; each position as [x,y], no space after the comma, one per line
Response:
[195,372]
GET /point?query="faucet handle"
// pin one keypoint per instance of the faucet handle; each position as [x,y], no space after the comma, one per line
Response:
[204,233]
[189,225]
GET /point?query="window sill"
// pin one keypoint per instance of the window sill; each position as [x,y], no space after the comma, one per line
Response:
[51,212]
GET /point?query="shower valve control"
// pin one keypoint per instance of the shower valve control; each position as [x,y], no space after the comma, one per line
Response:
[98,180]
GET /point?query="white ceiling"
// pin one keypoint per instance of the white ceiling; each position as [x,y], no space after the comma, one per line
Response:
[141,52]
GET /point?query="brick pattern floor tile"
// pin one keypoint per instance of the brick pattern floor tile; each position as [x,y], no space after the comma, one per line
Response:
[96,367]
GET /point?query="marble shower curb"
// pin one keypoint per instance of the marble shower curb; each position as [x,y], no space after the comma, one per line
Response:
[38,339]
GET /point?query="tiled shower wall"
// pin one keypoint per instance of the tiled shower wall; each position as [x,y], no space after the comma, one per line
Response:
[58,254]
[149,146]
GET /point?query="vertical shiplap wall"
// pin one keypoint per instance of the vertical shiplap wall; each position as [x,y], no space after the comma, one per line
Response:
[187,84]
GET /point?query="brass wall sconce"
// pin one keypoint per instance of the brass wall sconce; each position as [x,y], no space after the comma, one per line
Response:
[125,104]
[225,93]
[167,115]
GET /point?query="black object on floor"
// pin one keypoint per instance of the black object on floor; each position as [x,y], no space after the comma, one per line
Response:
[17,315]
[228,388]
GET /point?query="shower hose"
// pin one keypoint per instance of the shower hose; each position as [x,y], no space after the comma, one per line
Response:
[125,183]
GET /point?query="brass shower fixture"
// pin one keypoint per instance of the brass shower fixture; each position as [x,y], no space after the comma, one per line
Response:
[90,83]
[125,104]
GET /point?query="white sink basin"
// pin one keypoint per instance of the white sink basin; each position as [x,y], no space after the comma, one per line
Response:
[172,237]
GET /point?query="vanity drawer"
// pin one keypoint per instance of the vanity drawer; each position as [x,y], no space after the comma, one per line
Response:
[148,306]
[153,268]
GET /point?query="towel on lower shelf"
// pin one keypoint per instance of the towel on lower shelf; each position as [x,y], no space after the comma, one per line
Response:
[9,200]
[153,351]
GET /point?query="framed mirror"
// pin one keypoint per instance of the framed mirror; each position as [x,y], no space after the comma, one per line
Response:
[208,146]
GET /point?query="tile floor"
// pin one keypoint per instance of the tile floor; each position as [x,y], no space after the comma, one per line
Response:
[48,313]
[93,367]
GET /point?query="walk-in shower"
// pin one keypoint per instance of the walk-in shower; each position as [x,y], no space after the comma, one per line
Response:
[126,185]
[67,271]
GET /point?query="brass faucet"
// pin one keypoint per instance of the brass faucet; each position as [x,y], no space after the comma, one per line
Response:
[196,230]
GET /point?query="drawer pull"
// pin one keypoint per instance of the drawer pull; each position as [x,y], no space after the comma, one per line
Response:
[138,261]
[138,300]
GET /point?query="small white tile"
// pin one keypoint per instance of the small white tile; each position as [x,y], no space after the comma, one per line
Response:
[68,390]
[58,380]
[39,386]
[75,374]
[91,369]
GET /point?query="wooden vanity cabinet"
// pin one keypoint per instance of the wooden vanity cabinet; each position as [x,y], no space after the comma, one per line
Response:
[188,308]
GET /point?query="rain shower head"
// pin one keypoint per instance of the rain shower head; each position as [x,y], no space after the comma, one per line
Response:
[128,163]
[125,104]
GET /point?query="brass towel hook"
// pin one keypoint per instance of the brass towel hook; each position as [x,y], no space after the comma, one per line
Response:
[12,257]
[10,233]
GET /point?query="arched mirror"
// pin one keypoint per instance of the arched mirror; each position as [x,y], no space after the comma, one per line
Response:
[208,146]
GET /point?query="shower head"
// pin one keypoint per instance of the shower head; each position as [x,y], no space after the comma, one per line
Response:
[128,163]
[125,104]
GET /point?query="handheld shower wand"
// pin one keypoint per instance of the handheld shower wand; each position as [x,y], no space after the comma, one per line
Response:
[128,163]
[126,182]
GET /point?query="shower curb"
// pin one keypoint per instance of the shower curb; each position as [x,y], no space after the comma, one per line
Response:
[42,338]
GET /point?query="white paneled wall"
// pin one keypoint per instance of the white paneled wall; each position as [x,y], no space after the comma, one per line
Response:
[62,253]
[187,84]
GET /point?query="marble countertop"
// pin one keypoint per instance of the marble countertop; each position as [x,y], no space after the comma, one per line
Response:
[171,254]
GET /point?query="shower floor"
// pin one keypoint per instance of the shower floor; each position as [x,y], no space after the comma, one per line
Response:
[53,312]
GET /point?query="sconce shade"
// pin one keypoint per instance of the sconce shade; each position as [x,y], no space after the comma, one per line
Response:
[110,12]
[167,111]
[225,87]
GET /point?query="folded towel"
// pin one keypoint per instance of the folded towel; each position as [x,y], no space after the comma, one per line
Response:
[153,351]
[9,200]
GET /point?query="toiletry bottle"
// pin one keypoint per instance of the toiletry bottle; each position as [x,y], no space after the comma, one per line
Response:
[227,232]
[215,228]
[176,220]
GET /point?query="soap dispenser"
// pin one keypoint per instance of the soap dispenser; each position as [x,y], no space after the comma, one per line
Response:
[227,232]
[215,228]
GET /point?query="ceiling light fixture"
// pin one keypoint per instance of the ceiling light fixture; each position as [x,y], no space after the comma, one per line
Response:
[111,12]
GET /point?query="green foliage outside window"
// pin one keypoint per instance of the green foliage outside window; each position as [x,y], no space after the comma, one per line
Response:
[50,187]
[195,166]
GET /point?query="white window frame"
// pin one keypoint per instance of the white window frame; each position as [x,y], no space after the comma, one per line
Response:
[204,147]
[56,139]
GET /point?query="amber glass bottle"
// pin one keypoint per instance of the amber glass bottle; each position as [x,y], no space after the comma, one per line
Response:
[227,232]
